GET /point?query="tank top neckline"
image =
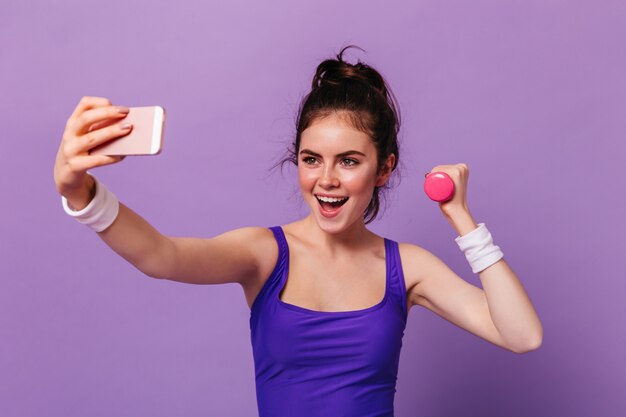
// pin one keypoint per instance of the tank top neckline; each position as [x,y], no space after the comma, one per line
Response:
[285,275]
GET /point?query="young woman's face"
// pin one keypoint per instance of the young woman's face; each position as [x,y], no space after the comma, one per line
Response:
[337,161]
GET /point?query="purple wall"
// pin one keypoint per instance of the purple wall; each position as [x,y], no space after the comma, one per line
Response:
[530,94]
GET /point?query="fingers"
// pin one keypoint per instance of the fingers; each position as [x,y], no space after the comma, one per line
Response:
[101,124]
[86,103]
[460,167]
[94,138]
[85,120]
[72,159]
[84,163]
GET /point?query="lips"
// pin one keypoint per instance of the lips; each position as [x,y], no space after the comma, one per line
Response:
[330,197]
[330,210]
[331,206]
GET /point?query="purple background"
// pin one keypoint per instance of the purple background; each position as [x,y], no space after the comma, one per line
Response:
[530,94]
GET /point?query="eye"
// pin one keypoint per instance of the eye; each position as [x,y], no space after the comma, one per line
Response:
[306,160]
[351,161]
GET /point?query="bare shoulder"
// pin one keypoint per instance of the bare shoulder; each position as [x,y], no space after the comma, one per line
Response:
[262,244]
[265,249]
[415,264]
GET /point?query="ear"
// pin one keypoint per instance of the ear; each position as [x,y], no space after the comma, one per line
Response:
[385,171]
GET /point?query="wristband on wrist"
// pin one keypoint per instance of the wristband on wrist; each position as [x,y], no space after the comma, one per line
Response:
[479,249]
[101,210]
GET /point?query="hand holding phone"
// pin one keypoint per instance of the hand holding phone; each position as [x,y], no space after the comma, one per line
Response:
[96,124]
[145,138]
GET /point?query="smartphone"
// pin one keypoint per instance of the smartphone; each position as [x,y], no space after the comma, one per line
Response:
[145,137]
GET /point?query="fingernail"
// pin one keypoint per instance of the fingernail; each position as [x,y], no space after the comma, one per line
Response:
[125,126]
[122,109]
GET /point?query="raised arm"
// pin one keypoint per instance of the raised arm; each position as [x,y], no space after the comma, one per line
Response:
[233,256]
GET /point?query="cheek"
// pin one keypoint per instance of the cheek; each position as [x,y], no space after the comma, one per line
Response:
[306,178]
[358,182]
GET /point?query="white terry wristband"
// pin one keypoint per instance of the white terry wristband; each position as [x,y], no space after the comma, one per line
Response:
[479,249]
[101,210]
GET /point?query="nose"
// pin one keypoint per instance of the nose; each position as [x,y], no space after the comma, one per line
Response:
[328,178]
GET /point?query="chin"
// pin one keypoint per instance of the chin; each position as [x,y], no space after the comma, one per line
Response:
[336,224]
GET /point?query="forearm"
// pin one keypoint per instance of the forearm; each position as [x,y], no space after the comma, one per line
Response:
[129,235]
[137,241]
[510,308]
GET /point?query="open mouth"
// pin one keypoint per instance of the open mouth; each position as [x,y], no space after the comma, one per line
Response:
[329,204]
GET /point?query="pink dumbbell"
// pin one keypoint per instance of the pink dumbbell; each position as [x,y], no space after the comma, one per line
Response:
[439,186]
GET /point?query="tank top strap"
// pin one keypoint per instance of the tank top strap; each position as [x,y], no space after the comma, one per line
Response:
[279,235]
[273,282]
[397,284]
[282,260]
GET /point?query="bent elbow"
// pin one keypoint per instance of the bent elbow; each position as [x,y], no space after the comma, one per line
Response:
[534,344]
[152,271]
[155,276]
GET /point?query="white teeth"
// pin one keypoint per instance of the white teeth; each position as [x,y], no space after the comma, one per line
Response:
[330,199]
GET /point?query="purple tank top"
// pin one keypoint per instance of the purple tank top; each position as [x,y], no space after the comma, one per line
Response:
[317,364]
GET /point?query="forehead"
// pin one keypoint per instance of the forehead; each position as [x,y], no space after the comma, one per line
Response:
[334,134]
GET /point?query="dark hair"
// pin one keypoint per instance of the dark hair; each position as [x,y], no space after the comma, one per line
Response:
[359,93]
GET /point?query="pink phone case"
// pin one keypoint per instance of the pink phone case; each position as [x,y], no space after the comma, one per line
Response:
[439,186]
[145,137]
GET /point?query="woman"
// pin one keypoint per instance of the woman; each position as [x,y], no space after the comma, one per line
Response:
[329,299]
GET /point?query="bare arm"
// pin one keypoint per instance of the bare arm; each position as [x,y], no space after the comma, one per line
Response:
[511,309]
[226,258]
[501,312]
[231,257]
[135,240]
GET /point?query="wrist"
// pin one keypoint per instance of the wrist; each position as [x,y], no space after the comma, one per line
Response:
[79,199]
[100,212]
[461,220]
[479,249]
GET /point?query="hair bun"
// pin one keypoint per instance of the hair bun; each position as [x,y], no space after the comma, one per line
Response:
[332,72]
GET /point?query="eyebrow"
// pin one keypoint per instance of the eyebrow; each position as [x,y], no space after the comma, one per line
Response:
[310,152]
